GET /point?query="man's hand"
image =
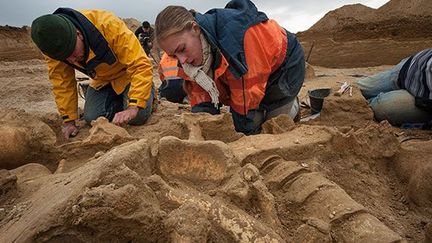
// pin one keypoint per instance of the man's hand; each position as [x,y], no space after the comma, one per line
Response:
[125,116]
[69,129]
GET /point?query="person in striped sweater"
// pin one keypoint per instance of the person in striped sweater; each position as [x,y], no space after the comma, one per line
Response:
[403,94]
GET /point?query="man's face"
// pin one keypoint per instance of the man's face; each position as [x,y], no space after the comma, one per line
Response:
[185,46]
[146,29]
[78,54]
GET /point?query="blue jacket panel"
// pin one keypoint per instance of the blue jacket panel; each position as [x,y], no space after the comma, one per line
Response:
[225,28]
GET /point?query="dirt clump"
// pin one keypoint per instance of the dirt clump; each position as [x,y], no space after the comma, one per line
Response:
[203,126]
[24,138]
[428,233]
[105,190]
[104,132]
[14,146]
[346,110]
[413,165]
[279,124]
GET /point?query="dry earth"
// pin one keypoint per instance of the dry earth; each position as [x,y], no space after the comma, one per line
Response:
[183,176]
[359,36]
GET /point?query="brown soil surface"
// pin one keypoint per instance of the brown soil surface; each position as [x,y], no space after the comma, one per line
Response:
[17,44]
[359,36]
[336,178]
[187,177]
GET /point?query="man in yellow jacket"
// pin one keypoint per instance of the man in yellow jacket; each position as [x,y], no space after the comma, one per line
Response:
[100,45]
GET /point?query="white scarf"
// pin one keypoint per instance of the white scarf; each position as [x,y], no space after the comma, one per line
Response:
[203,75]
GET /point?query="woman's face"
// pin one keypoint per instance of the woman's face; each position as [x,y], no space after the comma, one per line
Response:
[185,46]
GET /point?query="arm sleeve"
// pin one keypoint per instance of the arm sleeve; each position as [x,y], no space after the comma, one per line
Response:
[130,53]
[265,50]
[64,88]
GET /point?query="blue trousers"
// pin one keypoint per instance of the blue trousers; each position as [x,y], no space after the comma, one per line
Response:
[106,102]
[388,101]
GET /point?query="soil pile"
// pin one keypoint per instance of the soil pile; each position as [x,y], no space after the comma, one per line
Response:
[17,44]
[359,36]
[341,17]
[132,23]
[407,8]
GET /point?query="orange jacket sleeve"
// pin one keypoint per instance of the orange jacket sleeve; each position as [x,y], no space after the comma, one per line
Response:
[265,46]
[64,88]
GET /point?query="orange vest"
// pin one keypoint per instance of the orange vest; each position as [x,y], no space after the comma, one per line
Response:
[168,68]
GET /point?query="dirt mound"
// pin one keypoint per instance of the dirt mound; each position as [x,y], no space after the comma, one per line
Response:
[132,23]
[341,17]
[24,139]
[350,16]
[414,167]
[370,36]
[406,7]
[17,44]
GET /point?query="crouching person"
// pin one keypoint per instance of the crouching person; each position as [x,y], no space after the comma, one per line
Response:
[235,56]
[403,94]
[100,45]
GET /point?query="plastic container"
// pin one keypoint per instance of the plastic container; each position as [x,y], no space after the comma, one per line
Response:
[316,97]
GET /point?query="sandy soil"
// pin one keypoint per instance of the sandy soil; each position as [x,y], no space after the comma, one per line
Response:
[17,44]
[359,36]
[319,180]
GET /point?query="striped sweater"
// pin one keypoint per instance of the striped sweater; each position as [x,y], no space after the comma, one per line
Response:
[416,75]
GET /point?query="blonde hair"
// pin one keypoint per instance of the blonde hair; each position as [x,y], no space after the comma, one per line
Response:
[171,20]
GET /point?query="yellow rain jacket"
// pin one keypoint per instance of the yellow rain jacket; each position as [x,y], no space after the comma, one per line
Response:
[115,56]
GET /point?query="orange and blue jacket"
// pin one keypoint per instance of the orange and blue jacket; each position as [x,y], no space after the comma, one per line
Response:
[113,56]
[251,51]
